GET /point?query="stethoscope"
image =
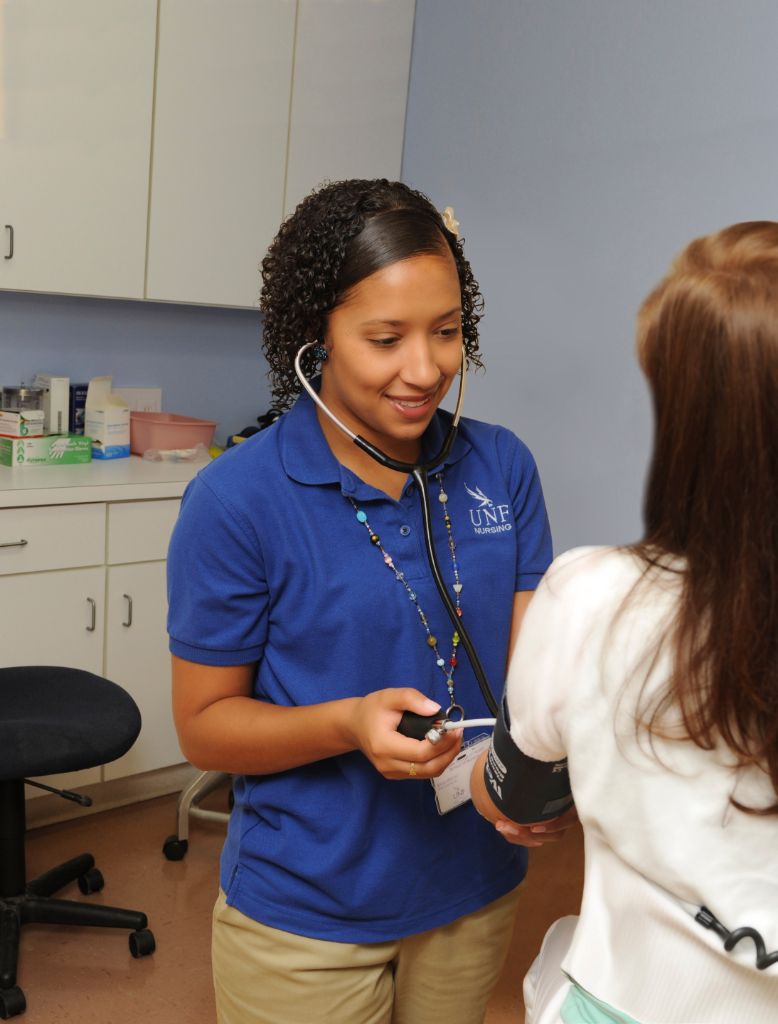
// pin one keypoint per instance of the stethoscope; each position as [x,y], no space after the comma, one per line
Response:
[705,917]
[419,726]
[432,728]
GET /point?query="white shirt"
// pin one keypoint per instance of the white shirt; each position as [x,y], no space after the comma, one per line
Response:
[658,822]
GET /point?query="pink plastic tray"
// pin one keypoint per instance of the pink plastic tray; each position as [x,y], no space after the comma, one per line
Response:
[166,430]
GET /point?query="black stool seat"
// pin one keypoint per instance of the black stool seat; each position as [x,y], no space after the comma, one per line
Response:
[52,720]
[56,719]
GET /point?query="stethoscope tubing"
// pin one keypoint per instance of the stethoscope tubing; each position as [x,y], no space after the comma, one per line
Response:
[704,916]
[371,449]
[419,473]
[468,723]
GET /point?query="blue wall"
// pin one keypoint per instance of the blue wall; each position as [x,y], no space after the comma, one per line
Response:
[582,144]
[207,361]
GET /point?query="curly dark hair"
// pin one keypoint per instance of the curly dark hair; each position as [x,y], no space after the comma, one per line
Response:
[339,235]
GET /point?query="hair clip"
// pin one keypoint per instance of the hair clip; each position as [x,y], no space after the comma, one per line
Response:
[450,221]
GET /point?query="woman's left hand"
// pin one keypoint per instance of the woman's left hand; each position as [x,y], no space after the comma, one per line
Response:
[550,831]
[536,834]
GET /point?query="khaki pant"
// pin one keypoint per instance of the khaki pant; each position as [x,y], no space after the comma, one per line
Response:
[443,976]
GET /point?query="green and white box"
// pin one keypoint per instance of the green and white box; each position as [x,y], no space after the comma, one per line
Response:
[21,424]
[54,450]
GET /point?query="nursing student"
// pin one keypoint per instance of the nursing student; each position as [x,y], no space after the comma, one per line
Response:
[654,669]
[304,621]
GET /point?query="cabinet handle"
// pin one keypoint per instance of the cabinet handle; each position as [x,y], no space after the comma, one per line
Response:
[10,229]
[14,544]
[93,606]
[128,620]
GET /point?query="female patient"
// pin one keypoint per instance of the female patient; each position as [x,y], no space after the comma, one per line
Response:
[654,668]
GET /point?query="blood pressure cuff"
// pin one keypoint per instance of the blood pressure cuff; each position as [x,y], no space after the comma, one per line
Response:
[524,790]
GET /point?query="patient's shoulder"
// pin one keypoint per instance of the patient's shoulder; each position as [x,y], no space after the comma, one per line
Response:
[593,575]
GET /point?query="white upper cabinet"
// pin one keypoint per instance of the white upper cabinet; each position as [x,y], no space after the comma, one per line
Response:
[352,62]
[224,75]
[251,104]
[76,89]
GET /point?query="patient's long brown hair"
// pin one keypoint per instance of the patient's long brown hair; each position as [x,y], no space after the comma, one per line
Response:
[708,344]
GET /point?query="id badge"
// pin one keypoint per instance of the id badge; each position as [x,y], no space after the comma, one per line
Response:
[452,788]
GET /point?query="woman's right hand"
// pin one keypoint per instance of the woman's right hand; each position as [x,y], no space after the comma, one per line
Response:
[374,721]
[222,726]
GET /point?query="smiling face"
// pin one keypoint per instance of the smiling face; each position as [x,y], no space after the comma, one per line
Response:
[394,346]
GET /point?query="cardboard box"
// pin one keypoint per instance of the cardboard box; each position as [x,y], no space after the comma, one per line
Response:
[56,402]
[77,407]
[107,420]
[21,424]
[54,450]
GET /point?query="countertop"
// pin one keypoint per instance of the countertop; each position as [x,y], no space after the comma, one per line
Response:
[129,479]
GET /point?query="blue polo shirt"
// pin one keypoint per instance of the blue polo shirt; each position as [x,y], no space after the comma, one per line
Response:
[269,564]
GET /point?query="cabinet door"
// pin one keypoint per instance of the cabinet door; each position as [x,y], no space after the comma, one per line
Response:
[75,133]
[221,120]
[352,61]
[136,657]
[54,618]
[139,531]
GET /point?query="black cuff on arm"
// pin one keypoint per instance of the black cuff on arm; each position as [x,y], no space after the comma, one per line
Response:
[524,790]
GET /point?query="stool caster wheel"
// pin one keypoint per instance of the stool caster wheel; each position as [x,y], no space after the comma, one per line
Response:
[142,943]
[90,882]
[12,1002]
[175,848]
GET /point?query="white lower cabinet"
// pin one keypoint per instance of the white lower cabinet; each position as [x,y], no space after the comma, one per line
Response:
[107,617]
[54,618]
[137,658]
[136,646]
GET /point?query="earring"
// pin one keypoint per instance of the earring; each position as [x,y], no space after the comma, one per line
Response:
[320,353]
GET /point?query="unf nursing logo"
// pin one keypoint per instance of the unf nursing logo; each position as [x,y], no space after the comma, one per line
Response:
[488,517]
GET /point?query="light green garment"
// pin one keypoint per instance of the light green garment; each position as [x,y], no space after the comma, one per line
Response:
[580,1007]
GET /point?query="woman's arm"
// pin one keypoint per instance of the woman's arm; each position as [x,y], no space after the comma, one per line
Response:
[550,831]
[221,726]
[518,834]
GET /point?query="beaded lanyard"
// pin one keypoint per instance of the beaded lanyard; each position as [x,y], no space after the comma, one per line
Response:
[432,641]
